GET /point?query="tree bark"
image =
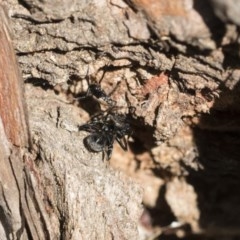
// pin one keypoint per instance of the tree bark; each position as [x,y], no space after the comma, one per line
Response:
[174,64]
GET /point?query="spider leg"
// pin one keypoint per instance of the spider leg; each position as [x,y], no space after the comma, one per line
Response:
[97,116]
[103,155]
[109,147]
[86,94]
[109,151]
[89,127]
[122,142]
[114,89]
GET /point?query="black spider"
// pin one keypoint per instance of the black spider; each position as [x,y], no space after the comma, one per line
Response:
[105,128]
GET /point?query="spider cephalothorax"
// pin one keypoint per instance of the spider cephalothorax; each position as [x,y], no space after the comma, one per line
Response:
[96,91]
[105,128]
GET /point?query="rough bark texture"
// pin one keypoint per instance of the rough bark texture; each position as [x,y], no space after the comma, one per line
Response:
[177,64]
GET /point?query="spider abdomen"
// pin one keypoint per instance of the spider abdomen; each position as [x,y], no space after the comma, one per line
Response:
[95,142]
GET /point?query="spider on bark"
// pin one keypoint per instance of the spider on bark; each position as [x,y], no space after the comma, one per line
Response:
[106,126]
[104,129]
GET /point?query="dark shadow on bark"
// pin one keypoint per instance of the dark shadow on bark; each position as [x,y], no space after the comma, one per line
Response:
[162,215]
[216,27]
[217,185]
